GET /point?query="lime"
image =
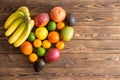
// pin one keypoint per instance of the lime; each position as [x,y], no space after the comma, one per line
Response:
[51,26]
[41,33]
[31,36]
[41,51]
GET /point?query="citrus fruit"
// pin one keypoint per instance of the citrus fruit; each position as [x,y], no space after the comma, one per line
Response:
[57,14]
[60,25]
[33,57]
[41,51]
[41,33]
[60,45]
[37,43]
[46,44]
[26,48]
[32,36]
[51,26]
[53,37]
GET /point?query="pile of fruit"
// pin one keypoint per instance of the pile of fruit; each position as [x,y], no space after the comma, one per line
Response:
[43,43]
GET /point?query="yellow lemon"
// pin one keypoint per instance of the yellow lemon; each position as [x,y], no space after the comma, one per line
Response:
[41,33]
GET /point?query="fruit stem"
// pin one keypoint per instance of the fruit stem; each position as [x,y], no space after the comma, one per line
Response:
[27,19]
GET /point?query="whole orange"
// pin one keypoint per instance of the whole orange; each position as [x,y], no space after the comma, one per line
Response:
[53,37]
[60,45]
[60,25]
[26,48]
[57,14]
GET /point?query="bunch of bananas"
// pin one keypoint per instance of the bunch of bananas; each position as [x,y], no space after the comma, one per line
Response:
[18,26]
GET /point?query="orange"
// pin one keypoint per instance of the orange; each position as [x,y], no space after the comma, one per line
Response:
[57,14]
[37,43]
[60,25]
[26,48]
[53,37]
[60,45]
[46,44]
[33,57]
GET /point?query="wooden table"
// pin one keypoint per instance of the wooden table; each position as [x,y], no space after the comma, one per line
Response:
[93,54]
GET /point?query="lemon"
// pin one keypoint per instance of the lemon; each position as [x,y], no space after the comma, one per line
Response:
[41,33]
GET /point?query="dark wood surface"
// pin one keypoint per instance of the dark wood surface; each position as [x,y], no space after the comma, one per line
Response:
[93,54]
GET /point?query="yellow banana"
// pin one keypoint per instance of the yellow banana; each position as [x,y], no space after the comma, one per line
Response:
[12,18]
[13,26]
[24,9]
[25,34]
[17,33]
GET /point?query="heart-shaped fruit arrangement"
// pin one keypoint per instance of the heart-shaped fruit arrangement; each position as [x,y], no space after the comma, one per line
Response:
[43,43]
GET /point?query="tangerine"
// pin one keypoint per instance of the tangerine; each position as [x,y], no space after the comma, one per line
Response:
[46,44]
[37,43]
[60,45]
[60,25]
[33,57]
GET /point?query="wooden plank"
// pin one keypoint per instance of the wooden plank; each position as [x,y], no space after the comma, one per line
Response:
[75,46]
[97,32]
[110,73]
[79,5]
[88,32]
[65,61]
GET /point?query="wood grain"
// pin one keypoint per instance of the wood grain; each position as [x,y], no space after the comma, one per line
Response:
[77,46]
[65,61]
[92,54]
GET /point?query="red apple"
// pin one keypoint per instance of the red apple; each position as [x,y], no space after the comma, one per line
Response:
[41,19]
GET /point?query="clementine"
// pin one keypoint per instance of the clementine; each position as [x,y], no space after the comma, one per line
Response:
[60,25]
[60,45]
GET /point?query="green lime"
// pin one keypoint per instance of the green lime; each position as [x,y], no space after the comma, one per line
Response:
[31,36]
[51,26]
[41,51]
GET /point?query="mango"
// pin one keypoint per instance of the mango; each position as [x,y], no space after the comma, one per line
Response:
[67,33]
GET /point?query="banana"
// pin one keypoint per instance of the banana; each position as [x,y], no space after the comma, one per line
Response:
[17,33]
[13,27]
[12,18]
[25,10]
[25,34]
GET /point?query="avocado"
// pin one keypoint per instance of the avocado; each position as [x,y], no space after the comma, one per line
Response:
[70,19]
[38,65]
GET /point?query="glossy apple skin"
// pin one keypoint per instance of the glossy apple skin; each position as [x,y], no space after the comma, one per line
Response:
[41,19]
[52,55]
